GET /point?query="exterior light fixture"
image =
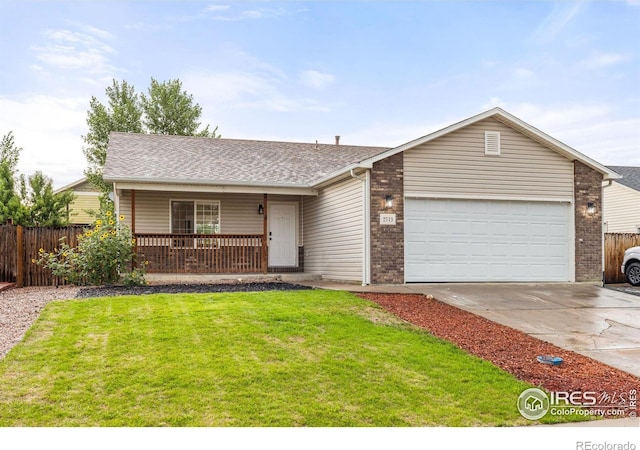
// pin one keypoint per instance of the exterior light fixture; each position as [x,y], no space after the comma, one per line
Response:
[260,209]
[388,201]
[591,208]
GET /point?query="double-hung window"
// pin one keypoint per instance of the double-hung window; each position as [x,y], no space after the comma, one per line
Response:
[195,217]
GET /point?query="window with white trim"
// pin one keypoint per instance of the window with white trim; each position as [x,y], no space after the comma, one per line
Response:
[492,143]
[195,217]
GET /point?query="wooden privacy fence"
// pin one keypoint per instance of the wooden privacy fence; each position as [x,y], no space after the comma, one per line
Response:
[20,245]
[614,246]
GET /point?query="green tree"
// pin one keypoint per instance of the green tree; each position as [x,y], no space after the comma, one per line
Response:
[36,205]
[166,110]
[46,209]
[10,205]
[122,113]
[170,110]
[9,152]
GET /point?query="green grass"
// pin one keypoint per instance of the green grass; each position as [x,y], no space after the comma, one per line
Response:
[305,358]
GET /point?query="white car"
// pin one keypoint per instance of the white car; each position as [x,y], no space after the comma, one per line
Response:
[631,265]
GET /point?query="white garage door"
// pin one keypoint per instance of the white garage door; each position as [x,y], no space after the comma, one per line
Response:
[486,240]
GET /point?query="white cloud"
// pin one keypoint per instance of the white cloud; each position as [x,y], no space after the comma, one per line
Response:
[72,50]
[599,60]
[225,13]
[49,131]
[253,90]
[316,79]
[213,8]
[558,19]
[522,73]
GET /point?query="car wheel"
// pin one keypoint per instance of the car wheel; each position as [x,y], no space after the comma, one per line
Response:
[633,273]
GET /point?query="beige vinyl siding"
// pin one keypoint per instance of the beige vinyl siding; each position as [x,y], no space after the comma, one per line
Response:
[455,165]
[621,209]
[238,212]
[79,206]
[333,231]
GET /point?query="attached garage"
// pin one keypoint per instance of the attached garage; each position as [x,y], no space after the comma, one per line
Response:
[487,240]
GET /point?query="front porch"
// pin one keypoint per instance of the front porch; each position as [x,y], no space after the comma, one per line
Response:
[204,253]
[195,232]
[209,254]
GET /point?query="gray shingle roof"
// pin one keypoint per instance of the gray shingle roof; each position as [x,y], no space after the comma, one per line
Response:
[198,160]
[630,176]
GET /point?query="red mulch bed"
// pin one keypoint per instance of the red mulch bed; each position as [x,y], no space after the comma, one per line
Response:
[509,349]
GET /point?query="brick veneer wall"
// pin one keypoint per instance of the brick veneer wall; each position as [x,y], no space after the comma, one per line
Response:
[387,241]
[588,188]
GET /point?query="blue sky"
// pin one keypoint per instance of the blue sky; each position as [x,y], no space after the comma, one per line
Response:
[374,72]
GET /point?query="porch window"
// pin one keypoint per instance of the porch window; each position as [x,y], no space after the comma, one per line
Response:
[194,217]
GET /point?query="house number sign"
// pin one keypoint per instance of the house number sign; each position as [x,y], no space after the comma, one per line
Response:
[387,219]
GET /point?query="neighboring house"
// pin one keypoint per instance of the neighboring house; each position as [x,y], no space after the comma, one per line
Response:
[622,201]
[87,199]
[489,198]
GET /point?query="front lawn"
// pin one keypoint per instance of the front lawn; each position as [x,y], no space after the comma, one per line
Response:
[305,358]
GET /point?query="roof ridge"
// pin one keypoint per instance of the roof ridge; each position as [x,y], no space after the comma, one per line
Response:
[266,141]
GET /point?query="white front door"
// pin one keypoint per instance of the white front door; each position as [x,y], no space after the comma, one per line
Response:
[283,251]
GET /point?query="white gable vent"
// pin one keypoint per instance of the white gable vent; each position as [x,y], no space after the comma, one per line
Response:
[491,142]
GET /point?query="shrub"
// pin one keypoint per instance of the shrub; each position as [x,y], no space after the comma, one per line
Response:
[104,255]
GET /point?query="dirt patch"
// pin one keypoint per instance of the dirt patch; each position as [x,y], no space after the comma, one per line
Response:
[510,349]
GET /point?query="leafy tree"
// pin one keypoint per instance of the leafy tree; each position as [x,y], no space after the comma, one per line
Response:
[170,110]
[10,205]
[122,113]
[166,110]
[46,209]
[36,206]
[9,152]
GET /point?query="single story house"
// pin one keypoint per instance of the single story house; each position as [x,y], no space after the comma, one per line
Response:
[490,198]
[87,199]
[622,201]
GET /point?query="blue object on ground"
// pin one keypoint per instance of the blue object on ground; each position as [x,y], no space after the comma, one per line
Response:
[553,360]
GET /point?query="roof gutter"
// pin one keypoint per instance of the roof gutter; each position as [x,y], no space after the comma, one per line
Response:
[244,188]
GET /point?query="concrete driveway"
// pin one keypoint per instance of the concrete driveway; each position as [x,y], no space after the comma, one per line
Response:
[600,323]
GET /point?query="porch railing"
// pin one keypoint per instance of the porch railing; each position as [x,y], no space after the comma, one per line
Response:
[201,253]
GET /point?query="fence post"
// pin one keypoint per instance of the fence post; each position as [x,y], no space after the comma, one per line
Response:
[20,256]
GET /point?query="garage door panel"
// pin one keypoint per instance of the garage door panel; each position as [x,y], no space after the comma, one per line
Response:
[477,240]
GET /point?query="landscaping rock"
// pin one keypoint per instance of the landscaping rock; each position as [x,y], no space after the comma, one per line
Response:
[106,291]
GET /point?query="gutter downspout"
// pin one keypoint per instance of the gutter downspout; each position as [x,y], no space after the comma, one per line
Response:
[366,199]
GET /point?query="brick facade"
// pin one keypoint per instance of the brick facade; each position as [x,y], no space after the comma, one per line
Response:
[588,188]
[387,241]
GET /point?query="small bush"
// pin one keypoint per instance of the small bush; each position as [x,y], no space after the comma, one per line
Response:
[104,255]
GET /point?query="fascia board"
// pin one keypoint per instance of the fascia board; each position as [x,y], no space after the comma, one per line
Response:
[222,188]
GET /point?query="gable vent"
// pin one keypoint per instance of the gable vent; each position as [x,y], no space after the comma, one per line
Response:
[491,142]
